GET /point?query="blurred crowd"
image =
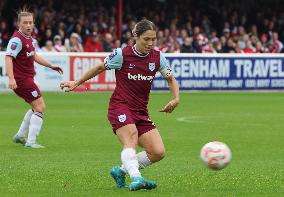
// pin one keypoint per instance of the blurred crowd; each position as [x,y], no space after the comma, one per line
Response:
[183,26]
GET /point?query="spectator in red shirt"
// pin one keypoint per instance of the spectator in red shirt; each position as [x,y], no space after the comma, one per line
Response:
[248,48]
[93,43]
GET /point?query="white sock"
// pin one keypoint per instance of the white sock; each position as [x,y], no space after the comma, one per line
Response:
[35,126]
[130,162]
[143,161]
[25,124]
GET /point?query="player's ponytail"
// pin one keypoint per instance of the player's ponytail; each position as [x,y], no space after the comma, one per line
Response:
[142,26]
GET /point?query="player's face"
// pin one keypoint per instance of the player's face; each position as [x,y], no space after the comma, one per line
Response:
[26,24]
[146,41]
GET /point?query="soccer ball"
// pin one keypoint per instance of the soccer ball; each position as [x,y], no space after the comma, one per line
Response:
[216,155]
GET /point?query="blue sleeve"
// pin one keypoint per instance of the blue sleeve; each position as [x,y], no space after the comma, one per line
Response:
[14,47]
[114,60]
[163,61]
[165,68]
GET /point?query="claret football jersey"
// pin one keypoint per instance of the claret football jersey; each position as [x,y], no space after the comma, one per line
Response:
[134,75]
[21,48]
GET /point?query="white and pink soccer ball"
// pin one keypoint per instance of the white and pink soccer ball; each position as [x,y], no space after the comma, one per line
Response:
[216,155]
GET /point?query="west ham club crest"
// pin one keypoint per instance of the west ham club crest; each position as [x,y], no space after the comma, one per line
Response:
[152,66]
[34,93]
[122,118]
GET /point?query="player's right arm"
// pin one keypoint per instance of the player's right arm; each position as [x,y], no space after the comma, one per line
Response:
[113,61]
[71,85]
[9,69]
[13,48]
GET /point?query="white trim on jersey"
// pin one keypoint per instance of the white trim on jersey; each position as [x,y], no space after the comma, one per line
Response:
[26,36]
[138,53]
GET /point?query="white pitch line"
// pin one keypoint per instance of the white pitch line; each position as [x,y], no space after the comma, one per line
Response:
[198,119]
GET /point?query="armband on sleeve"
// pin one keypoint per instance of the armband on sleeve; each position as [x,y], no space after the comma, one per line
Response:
[166,71]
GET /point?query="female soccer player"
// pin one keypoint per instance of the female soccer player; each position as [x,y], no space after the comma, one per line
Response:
[20,57]
[135,68]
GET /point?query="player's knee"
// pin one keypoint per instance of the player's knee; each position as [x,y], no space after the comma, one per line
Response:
[158,155]
[161,154]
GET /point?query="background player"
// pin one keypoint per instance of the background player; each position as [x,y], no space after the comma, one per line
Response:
[20,57]
[135,67]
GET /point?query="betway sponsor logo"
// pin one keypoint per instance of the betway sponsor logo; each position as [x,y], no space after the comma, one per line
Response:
[140,77]
[32,53]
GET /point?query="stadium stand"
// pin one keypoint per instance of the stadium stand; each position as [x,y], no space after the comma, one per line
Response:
[184,26]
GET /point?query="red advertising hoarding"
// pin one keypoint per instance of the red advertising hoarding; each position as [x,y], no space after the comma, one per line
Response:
[81,64]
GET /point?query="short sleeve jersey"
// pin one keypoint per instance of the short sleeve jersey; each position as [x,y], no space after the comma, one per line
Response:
[134,75]
[21,48]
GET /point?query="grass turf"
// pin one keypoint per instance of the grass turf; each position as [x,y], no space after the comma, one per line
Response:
[81,149]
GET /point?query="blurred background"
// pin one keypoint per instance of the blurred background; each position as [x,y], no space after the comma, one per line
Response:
[184,26]
[80,146]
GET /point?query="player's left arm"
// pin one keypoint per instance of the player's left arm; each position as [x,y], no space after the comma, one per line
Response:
[166,72]
[43,62]
[174,88]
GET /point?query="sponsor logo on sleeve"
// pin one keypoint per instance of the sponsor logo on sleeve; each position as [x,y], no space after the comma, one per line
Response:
[14,45]
[111,56]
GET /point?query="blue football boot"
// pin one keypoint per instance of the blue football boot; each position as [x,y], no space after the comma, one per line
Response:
[119,176]
[138,183]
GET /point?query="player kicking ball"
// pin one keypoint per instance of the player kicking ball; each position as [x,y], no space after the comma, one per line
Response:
[20,57]
[135,68]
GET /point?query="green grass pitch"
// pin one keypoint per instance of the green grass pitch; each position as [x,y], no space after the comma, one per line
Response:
[81,148]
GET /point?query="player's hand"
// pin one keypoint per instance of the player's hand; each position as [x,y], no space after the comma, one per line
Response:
[58,69]
[68,86]
[12,84]
[168,108]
